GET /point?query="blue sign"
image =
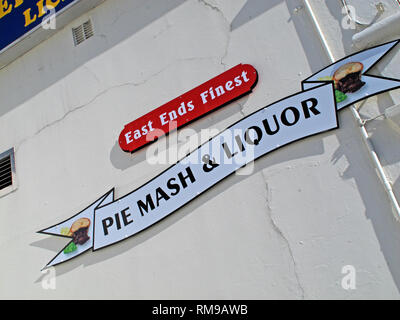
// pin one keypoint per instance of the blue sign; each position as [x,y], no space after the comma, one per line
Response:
[18,17]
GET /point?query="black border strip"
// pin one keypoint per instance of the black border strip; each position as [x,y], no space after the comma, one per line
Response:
[368,96]
[396,42]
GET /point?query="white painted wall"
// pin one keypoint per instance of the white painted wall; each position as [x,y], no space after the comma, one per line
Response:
[285,231]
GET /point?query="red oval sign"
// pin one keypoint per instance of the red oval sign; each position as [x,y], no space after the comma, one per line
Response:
[206,98]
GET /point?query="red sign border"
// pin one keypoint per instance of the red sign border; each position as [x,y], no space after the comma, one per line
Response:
[253,85]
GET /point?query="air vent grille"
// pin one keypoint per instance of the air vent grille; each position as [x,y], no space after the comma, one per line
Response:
[88,29]
[5,172]
[83,32]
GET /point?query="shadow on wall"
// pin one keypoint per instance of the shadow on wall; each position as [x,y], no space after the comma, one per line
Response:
[121,160]
[306,34]
[359,170]
[378,208]
[336,10]
[376,203]
[384,137]
[254,8]
[251,10]
[45,70]
[298,151]
[387,229]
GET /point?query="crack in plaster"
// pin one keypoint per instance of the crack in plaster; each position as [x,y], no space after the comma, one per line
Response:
[167,27]
[228,31]
[76,109]
[105,91]
[241,109]
[228,36]
[281,234]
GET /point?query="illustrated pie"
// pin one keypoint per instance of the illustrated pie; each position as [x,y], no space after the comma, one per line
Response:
[348,77]
[79,231]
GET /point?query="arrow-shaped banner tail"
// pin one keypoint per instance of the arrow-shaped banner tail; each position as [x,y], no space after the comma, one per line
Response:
[349,75]
[79,228]
[310,112]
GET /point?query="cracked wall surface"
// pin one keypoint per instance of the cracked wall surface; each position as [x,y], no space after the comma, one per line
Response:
[283,232]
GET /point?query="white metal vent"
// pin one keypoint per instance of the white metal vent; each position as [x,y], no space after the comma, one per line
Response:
[6,169]
[83,32]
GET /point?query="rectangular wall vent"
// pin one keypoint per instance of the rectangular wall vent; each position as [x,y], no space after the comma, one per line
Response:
[6,169]
[83,32]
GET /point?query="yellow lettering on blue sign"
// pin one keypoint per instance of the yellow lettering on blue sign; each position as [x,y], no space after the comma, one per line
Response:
[28,18]
[5,8]
[52,4]
[41,10]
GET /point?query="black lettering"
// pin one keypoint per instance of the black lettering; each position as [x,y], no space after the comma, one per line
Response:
[118,221]
[125,217]
[190,176]
[268,127]
[145,207]
[107,222]
[307,109]
[240,144]
[173,186]
[296,114]
[257,140]
[160,194]
[228,152]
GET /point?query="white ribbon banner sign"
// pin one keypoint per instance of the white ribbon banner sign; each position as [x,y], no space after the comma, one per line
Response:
[307,113]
